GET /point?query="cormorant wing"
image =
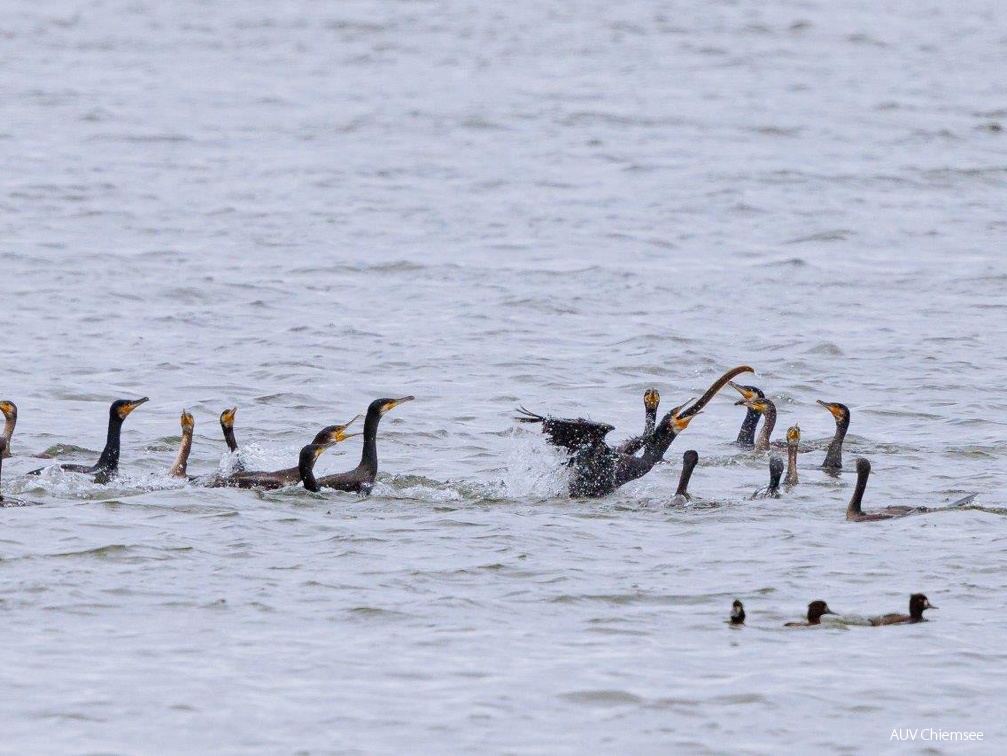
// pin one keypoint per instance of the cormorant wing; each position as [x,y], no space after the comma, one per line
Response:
[572,435]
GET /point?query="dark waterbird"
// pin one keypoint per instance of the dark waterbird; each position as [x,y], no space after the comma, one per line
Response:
[737,613]
[227,428]
[108,463]
[854,512]
[598,469]
[689,461]
[184,446]
[772,491]
[361,478]
[325,438]
[816,610]
[834,456]
[917,603]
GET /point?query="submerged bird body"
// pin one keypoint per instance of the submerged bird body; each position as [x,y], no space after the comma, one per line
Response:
[834,455]
[746,435]
[597,469]
[325,438]
[651,401]
[689,461]
[108,463]
[917,604]
[816,610]
[361,478]
[9,410]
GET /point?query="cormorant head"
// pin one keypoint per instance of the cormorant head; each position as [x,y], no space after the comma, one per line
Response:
[775,470]
[917,603]
[382,406]
[651,398]
[690,458]
[759,403]
[737,613]
[863,467]
[122,407]
[187,422]
[794,435]
[678,419]
[839,411]
[747,392]
[333,434]
[227,417]
[815,611]
[9,409]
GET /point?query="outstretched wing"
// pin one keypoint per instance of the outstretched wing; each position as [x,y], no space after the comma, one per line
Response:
[572,435]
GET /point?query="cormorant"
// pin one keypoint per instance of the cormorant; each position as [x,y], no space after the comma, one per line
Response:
[917,603]
[816,609]
[689,461]
[108,463]
[767,409]
[772,491]
[746,436]
[855,514]
[9,410]
[793,441]
[361,478]
[598,469]
[651,400]
[325,438]
[184,446]
[834,456]
[737,613]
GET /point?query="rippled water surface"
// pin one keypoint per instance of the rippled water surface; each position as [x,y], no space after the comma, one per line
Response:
[296,208]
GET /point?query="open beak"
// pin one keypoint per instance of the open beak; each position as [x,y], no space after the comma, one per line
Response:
[395,403]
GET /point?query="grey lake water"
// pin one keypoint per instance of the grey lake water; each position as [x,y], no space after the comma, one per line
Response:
[298,207]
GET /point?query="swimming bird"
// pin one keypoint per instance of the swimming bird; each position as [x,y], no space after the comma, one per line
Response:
[917,603]
[184,446]
[108,463]
[772,491]
[325,438]
[9,410]
[737,613]
[746,436]
[816,609]
[651,400]
[854,513]
[361,478]
[793,441]
[834,455]
[689,461]
[598,469]
[227,427]
[767,409]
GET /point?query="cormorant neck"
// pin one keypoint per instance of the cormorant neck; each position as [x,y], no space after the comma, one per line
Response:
[683,481]
[791,479]
[746,436]
[834,456]
[853,509]
[8,431]
[108,462]
[767,428]
[369,454]
[306,466]
[650,419]
[232,444]
[182,459]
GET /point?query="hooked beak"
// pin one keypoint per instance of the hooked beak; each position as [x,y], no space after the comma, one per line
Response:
[125,409]
[395,403]
[836,412]
[227,417]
